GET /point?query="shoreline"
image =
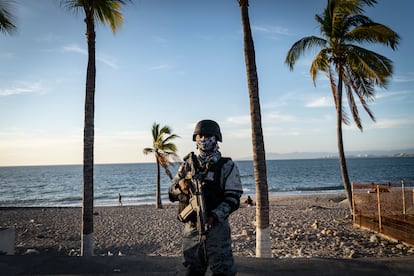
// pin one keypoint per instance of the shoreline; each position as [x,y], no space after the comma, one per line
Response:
[301,226]
[146,202]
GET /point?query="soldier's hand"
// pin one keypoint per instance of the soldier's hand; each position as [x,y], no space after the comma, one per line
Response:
[185,186]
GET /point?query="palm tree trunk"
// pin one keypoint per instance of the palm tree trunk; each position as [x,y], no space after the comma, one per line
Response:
[158,192]
[88,147]
[263,246]
[341,153]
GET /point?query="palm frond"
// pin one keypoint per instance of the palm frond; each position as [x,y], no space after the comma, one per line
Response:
[147,150]
[369,64]
[372,32]
[103,11]
[301,46]
[363,88]
[165,130]
[353,106]
[7,18]
[320,64]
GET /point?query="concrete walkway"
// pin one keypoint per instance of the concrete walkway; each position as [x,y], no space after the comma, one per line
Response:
[55,265]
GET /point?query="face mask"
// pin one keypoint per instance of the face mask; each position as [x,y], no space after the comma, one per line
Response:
[205,143]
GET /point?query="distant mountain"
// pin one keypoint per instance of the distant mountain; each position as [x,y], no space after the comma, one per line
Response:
[349,154]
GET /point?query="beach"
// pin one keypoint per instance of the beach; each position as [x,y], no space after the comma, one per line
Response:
[301,226]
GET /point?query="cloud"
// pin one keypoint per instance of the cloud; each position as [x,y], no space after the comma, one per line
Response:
[238,120]
[391,123]
[392,94]
[276,116]
[21,87]
[272,30]
[320,102]
[75,49]
[159,67]
[409,77]
[108,60]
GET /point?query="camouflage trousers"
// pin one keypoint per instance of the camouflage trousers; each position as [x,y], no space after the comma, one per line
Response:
[214,251]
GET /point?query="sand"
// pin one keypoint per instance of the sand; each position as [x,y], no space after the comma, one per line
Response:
[301,226]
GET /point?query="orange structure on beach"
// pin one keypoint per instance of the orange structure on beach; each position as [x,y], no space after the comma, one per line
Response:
[386,209]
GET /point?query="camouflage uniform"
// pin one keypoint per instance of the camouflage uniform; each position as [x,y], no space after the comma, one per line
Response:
[222,197]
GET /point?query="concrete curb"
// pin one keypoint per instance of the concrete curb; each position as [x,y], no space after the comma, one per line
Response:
[134,265]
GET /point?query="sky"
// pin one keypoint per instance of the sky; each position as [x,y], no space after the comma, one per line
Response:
[178,62]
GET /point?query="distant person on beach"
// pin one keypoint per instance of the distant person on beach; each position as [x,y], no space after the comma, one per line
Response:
[222,189]
[119,199]
[249,201]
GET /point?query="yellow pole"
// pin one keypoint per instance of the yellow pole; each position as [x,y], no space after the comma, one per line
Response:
[379,209]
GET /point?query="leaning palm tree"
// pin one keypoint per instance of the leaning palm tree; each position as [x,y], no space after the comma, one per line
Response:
[103,11]
[164,151]
[347,64]
[6,17]
[263,248]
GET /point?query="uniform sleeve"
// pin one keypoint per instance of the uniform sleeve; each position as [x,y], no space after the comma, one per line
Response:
[232,186]
[174,191]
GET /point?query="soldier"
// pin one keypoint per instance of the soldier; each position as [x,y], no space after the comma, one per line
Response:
[221,190]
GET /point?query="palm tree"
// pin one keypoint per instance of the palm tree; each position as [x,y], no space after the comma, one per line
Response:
[6,18]
[164,151]
[103,11]
[344,28]
[263,248]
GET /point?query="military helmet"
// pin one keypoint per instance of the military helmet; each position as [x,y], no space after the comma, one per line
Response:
[209,127]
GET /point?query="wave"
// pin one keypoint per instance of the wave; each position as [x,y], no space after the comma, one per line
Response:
[306,189]
[324,188]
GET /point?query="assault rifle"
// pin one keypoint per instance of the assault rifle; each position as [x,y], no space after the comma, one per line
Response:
[196,204]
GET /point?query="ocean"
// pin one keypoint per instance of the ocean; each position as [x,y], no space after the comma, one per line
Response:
[61,185]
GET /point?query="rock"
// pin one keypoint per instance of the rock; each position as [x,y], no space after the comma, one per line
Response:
[400,246]
[315,225]
[352,254]
[373,239]
[73,253]
[247,232]
[31,251]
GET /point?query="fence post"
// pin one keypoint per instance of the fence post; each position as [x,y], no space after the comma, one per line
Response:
[353,203]
[379,209]
[403,196]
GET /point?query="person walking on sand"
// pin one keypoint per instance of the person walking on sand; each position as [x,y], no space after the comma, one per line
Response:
[119,199]
[222,189]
